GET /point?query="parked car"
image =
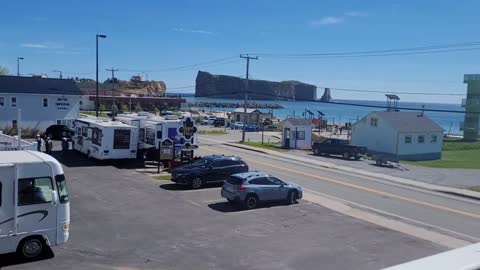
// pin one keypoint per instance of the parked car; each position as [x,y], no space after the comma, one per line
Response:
[237,125]
[251,127]
[209,169]
[205,121]
[58,132]
[219,122]
[252,188]
[338,147]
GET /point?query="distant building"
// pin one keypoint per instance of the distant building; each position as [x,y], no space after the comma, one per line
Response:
[253,116]
[405,135]
[43,101]
[297,133]
[471,125]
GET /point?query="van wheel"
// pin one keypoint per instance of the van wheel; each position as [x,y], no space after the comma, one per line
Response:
[251,202]
[346,155]
[292,197]
[196,183]
[316,151]
[31,247]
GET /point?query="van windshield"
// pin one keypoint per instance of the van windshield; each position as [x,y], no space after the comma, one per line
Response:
[62,188]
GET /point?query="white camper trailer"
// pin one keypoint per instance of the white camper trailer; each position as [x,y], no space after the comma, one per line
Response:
[154,129]
[104,139]
[34,205]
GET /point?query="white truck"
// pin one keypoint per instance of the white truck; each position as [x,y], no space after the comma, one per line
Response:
[34,203]
[104,139]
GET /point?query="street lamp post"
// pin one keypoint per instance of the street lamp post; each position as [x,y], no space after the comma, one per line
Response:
[60,72]
[18,65]
[96,81]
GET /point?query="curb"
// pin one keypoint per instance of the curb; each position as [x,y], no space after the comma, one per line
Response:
[448,190]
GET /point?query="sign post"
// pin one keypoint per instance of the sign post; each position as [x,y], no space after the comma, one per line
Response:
[165,151]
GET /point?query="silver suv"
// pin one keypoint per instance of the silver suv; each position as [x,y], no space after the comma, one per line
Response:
[251,188]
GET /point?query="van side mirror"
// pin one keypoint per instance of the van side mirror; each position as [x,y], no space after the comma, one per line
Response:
[54,197]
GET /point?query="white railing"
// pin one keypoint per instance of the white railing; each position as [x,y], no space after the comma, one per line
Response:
[9,143]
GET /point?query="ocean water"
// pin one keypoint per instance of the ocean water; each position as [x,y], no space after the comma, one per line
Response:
[340,114]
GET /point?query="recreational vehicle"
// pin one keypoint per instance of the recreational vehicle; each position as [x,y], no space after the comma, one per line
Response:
[104,139]
[34,205]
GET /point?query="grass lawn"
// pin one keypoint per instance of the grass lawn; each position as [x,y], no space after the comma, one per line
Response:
[163,177]
[456,154]
[474,188]
[213,132]
[265,145]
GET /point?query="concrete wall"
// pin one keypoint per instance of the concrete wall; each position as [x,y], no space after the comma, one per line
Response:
[299,144]
[34,115]
[382,138]
[420,151]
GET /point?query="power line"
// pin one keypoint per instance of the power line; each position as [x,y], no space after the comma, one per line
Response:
[411,50]
[220,61]
[394,92]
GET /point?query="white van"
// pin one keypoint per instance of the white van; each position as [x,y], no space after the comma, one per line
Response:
[34,205]
[104,139]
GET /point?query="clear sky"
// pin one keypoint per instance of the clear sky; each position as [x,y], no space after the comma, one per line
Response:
[155,35]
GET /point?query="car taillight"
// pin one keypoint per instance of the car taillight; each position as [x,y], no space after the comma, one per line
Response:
[242,188]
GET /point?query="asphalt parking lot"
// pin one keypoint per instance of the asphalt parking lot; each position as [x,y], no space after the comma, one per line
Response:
[125,220]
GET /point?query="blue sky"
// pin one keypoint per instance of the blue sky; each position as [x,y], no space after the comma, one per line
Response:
[154,35]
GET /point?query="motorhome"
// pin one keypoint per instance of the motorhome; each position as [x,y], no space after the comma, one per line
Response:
[105,139]
[34,203]
[155,129]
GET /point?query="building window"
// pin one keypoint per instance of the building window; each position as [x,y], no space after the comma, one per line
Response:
[433,139]
[408,139]
[421,139]
[374,122]
[300,135]
[2,101]
[14,124]
[13,102]
[45,102]
[35,191]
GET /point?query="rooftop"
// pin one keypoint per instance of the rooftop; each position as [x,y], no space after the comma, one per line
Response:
[32,85]
[10,157]
[103,122]
[409,121]
[299,121]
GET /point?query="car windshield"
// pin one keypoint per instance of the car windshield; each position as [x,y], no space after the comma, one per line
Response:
[62,188]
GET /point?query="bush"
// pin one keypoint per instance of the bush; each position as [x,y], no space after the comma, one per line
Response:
[26,132]
[102,108]
[124,108]
[138,108]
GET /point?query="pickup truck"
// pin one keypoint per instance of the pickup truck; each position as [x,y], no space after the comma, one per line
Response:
[338,147]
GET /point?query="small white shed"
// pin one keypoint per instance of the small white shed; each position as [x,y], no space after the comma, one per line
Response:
[297,133]
[405,135]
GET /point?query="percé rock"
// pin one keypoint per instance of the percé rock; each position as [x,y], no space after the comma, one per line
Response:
[223,86]
[326,96]
[124,88]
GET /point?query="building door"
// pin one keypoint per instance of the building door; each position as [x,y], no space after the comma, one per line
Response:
[286,138]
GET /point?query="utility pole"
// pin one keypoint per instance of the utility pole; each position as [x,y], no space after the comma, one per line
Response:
[18,65]
[113,91]
[96,78]
[248,57]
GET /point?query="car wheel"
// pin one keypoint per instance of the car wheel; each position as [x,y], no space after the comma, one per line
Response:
[196,183]
[292,197]
[31,247]
[316,151]
[346,155]
[251,202]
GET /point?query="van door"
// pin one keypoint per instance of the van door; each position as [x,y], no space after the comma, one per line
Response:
[7,178]
[37,211]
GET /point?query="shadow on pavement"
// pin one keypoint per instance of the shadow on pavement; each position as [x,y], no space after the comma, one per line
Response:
[11,259]
[226,207]
[389,166]
[335,157]
[74,159]
[176,187]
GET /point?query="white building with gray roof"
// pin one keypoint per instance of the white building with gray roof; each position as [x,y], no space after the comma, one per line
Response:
[405,135]
[43,102]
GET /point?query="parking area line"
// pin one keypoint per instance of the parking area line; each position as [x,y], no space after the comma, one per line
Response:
[214,201]
[362,188]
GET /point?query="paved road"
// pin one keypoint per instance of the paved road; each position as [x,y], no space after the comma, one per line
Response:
[124,220]
[447,214]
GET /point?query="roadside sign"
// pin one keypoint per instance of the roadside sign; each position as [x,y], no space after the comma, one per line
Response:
[166,149]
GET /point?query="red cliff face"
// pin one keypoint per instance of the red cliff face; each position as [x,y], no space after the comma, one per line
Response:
[223,86]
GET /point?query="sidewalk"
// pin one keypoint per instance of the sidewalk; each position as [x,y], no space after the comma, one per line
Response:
[403,181]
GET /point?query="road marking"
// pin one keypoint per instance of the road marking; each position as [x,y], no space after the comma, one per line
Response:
[214,201]
[194,203]
[474,239]
[362,188]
